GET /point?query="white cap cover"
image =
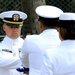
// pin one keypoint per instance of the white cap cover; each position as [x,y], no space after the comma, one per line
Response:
[9,14]
[48,11]
[13,17]
[67,16]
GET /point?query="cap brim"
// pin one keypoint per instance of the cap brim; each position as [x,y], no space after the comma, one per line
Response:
[14,25]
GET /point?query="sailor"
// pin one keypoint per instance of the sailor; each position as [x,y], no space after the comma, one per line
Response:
[34,45]
[12,42]
[60,61]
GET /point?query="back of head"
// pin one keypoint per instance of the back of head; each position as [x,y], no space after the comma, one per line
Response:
[48,14]
[67,25]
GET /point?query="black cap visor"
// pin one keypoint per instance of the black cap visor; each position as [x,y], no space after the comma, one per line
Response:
[14,25]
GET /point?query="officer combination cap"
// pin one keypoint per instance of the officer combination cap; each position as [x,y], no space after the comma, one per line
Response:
[13,17]
[48,11]
[67,16]
[67,20]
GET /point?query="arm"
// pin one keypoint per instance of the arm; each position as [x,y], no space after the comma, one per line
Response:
[9,63]
[24,55]
[47,68]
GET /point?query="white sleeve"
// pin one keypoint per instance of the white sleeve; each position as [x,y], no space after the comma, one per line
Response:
[47,68]
[9,63]
[24,55]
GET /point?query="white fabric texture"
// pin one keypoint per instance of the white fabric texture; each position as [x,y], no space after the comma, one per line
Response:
[34,47]
[61,60]
[10,61]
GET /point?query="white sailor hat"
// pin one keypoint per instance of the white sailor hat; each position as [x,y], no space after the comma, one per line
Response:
[67,20]
[67,16]
[48,11]
[13,17]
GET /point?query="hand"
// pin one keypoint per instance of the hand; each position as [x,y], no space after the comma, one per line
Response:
[26,72]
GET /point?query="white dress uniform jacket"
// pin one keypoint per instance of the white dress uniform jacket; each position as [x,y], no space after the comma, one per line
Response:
[60,61]
[34,46]
[10,60]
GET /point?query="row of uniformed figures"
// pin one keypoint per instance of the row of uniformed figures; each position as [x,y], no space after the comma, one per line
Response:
[52,52]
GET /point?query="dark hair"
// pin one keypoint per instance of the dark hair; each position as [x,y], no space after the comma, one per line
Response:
[67,29]
[49,22]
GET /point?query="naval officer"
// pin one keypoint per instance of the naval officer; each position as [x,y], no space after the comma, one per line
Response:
[34,45]
[12,42]
[61,60]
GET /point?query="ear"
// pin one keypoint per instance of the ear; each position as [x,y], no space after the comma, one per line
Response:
[58,29]
[3,27]
[40,23]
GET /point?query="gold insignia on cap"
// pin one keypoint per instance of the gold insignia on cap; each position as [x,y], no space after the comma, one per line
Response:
[16,17]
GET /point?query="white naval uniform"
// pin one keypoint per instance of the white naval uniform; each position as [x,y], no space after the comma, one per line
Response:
[34,46]
[14,46]
[60,61]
